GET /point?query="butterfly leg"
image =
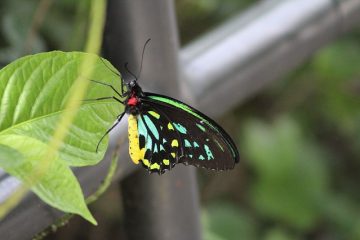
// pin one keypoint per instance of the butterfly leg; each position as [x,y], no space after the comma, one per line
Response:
[109,85]
[123,92]
[104,98]
[109,130]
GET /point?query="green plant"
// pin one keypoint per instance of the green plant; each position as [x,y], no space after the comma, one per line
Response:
[34,92]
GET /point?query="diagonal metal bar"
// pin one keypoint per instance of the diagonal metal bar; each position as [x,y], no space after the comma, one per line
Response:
[248,52]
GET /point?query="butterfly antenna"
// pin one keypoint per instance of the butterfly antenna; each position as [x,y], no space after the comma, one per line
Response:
[142,55]
[130,72]
[141,63]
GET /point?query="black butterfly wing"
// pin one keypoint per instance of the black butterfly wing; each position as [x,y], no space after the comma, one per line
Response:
[160,143]
[200,141]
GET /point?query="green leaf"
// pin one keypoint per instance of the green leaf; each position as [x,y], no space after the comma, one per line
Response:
[57,185]
[33,94]
[9,157]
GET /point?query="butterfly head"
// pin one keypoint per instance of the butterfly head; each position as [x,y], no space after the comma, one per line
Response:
[132,84]
[134,98]
[134,88]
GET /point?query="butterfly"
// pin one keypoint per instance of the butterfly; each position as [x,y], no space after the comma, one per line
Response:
[164,131]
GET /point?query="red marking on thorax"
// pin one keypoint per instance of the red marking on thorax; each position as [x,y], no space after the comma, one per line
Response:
[133,101]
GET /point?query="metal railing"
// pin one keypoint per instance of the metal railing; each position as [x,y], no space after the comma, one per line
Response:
[217,72]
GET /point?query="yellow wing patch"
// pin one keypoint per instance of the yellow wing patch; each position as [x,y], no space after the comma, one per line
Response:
[170,126]
[174,143]
[155,166]
[154,114]
[146,162]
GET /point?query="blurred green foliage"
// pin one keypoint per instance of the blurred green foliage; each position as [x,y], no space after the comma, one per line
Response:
[299,139]
[25,27]
[224,221]
[292,177]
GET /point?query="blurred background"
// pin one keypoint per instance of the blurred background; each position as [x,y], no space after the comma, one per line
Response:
[299,138]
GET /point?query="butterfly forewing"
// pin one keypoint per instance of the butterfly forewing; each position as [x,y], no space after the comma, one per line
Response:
[184,135]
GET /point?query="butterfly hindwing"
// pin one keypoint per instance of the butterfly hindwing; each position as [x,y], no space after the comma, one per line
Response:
[159,141]
[184,134]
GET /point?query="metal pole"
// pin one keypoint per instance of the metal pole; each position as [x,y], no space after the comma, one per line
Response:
[156,207]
